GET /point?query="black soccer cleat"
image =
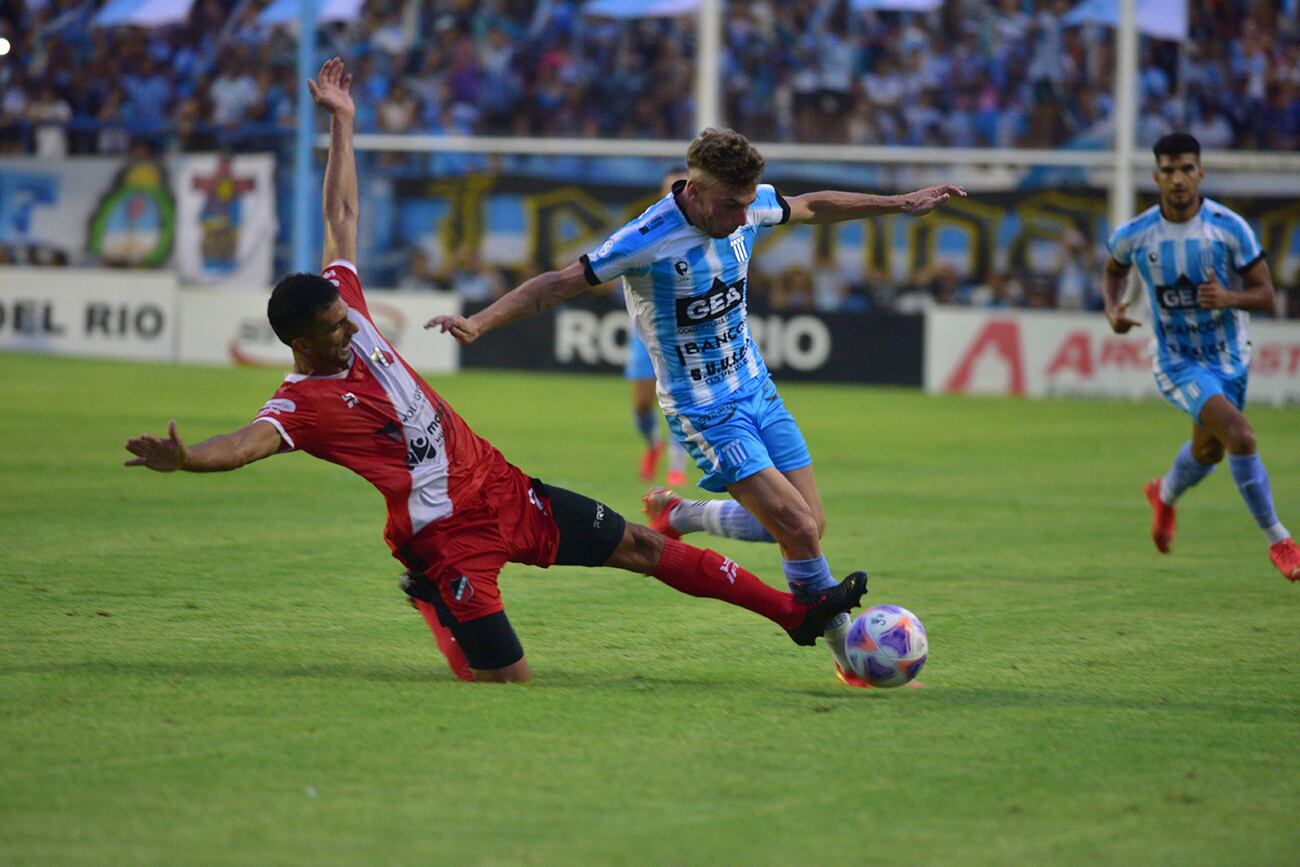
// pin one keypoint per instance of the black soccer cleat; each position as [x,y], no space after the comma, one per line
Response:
[825,605]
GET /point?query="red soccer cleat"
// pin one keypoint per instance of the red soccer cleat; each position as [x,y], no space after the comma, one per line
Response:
[1286,557]
[658,504]
[1163,523]
[848,678]
[650,461]
[451,651]
[675,479]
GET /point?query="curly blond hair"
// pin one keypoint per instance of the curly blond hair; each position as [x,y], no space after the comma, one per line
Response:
[726,156]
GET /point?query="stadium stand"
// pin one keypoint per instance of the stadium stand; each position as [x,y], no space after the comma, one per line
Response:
[976,73]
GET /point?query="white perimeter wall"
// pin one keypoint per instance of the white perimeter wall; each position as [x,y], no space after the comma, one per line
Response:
[1052,354]
[145,315]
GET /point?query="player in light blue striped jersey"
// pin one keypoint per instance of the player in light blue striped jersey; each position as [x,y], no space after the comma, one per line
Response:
[1203,269]
[685,263]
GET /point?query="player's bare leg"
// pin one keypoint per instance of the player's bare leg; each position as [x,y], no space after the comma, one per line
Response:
[1230,427]
[789,506]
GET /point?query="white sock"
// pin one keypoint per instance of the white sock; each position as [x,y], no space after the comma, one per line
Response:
[836,634]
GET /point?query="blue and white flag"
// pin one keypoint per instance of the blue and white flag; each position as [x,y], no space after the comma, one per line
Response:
[898,5]
[1162,19]
[286,11]
[641,8]
[142,13]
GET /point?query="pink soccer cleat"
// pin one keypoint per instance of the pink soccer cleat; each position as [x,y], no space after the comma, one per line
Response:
[675,479]
[1163,522]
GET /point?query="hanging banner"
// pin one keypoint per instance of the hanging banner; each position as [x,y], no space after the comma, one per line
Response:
[512,220]
[226,226]
[86,211]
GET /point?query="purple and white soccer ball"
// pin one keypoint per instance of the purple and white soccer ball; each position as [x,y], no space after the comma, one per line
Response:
[886,646]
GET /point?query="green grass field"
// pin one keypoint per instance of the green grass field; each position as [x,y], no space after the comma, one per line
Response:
[221,669]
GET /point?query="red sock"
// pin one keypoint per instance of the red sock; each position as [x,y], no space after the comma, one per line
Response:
[698,572]
[446,641]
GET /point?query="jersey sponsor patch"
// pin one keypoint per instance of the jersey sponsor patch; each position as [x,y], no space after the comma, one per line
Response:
[720,300]
[1180,295]
[652,225]
[686,351]
[277,405]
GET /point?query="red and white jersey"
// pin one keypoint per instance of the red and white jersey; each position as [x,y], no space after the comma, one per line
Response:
[379,419]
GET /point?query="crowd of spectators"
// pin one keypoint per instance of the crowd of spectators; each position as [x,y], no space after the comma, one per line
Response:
[979,73]
[974,73]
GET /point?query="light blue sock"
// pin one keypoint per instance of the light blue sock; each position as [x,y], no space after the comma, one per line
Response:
[1252,480]
[720,518]
[808,575]
[729,518]
[647,424]
[1185,472]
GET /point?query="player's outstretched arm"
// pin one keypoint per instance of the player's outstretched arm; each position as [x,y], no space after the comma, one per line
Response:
[339,198]
[528,299]
[829,206]
[252,442]
[1256,293]
[1113,283]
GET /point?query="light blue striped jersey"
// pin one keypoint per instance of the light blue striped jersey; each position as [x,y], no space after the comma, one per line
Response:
[1172,259]
[687,292]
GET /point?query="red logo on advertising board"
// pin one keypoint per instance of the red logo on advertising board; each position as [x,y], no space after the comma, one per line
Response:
[1002,338]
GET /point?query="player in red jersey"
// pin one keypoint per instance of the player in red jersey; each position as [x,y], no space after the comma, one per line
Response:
[457,511]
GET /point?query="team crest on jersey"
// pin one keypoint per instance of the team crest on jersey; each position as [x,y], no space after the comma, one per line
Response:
[738,247]
[462,589]
[682,269]
[381,357]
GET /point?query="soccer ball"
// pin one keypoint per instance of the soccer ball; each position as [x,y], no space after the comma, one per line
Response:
[886,645]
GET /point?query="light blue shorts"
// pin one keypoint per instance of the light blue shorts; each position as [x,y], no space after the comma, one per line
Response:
[733,441]
[638,364]
[1189,385]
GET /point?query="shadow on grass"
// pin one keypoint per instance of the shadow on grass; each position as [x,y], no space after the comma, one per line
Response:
[433,672]
[412,673]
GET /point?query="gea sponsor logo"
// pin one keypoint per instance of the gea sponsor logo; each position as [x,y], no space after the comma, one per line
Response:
[1181,295]
[720,300]
[582,337]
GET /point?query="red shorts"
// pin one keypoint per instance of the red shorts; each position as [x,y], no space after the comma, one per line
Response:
[507,521]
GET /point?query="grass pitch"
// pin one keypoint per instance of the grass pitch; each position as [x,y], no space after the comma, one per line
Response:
[221,669]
